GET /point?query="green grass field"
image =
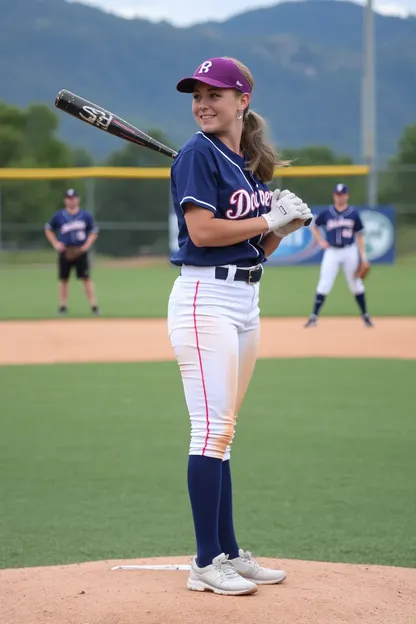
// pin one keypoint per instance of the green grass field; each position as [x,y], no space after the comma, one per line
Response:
[28,292]
[93,465]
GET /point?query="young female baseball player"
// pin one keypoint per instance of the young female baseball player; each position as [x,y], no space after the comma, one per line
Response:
[344,247]
[228,221]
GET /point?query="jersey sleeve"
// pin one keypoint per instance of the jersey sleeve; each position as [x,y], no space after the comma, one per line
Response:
[358,225]
[52,224]
[195,178]
[92,227]
[320,219]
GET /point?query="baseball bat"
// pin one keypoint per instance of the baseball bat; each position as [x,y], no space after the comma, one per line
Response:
[100,118]
[103,119]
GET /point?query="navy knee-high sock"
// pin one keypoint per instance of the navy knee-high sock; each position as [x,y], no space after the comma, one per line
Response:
[204,486]
[360,299]
[226,533]
[319,301]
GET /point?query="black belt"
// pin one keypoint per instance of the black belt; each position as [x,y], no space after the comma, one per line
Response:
[341,246]
[250,276]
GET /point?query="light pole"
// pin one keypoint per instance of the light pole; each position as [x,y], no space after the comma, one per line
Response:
[369,104]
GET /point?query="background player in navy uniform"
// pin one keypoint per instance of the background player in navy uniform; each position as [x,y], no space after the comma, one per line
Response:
[344,246]
[228,222]
[72,232]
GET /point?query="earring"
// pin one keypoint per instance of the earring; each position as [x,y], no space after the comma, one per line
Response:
[240,115]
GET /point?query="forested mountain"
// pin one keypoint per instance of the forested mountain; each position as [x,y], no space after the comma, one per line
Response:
[306,58]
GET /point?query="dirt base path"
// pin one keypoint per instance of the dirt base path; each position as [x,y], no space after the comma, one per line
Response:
[313,593]
[98,340]
[93,593]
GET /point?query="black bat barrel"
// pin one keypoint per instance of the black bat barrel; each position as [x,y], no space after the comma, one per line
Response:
[104,120]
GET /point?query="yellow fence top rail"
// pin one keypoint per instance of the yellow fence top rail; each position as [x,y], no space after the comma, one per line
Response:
[147,173]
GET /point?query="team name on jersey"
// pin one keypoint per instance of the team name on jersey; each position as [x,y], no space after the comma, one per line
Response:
[336,223]
[71,227]
[246,202]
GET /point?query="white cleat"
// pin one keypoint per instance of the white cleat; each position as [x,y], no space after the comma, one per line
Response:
[248,567]
[219,577]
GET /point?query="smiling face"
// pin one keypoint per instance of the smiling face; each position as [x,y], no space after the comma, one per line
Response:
[217,110]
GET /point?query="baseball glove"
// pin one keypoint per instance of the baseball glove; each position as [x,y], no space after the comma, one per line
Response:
[363,270]
[72,253]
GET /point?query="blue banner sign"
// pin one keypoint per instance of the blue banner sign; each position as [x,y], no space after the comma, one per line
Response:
[301,248]
[380,236]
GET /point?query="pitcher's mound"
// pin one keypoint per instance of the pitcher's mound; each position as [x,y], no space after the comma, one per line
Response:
[313,593]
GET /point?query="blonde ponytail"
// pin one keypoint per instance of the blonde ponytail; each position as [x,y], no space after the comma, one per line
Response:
[262,157]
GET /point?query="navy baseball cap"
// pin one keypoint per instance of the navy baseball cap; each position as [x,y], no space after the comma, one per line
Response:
[340,189]
[71,193]
[218,72]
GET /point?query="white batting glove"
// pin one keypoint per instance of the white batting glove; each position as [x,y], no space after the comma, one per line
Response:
[288,213]
[306,212]
[296,224]
[285,207]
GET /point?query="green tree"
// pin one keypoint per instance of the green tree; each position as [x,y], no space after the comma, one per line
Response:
[398,188]
[12,145]
[28,140]
[398,183]
[317,190]
[12,116]
[81,158]
[126,203]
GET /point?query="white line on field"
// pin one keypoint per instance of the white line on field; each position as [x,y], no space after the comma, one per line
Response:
[152,567]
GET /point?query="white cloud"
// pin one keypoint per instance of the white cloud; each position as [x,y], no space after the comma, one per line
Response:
[187,12]
[179,12]
[395,8]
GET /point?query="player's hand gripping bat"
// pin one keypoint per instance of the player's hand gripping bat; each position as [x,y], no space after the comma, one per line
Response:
[103,119]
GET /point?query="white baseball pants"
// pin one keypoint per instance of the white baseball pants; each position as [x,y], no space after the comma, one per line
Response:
[214,330]
[333,259]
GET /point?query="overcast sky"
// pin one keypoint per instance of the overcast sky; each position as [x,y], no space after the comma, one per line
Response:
[190,11]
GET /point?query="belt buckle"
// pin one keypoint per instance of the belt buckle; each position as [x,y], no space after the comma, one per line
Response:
[250,271]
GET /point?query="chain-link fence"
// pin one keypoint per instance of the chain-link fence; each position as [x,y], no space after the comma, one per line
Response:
[133,214]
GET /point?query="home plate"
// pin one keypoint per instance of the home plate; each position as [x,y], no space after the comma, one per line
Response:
[166,566]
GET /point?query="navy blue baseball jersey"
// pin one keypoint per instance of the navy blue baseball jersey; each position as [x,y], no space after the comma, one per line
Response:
[210,175]
[72,229]
[340,227]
